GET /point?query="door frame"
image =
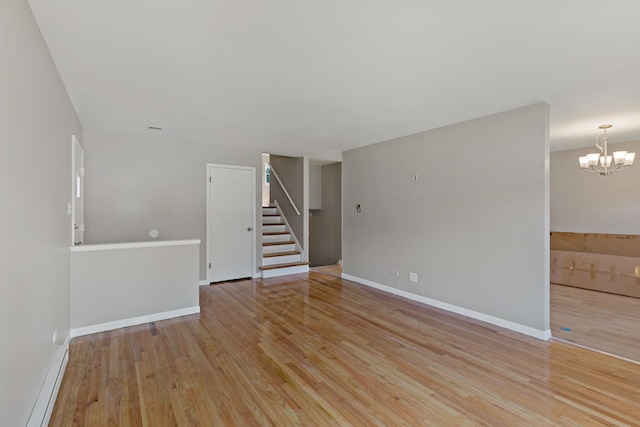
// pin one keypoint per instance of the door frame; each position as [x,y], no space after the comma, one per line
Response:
[252,169]
[77,150]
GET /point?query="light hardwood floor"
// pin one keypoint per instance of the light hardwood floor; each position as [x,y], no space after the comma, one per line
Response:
[315,350]
[598,320]
[331,270]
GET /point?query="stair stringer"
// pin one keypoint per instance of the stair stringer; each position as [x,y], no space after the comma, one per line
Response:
[290,231]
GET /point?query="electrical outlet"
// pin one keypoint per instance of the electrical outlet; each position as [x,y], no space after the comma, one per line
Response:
[413,277]
[55,336]
[395,273]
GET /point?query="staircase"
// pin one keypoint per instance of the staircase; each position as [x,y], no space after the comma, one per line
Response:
[281,254]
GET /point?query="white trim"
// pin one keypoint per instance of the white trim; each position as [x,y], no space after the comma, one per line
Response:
[207,221]
[507,324]
[305,208]
[210,166]
[133,245]
[76,150]
[117,324]
[285,271]
[43,408]
[204,283]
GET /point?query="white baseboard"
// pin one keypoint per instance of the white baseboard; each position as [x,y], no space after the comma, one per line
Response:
[507,324]
[43,408]
[204,283]
[117,324]
[286,271]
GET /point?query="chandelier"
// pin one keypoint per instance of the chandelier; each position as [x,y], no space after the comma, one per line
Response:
[618,162]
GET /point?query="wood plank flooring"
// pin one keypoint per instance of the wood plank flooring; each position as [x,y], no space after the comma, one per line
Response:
[316,350]
[606,322]
[331,270]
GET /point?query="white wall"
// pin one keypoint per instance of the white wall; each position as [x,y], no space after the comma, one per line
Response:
[36,124]
[474,227]
[134,184]
[584,202]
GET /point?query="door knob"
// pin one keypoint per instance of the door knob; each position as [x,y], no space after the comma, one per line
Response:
[249,229]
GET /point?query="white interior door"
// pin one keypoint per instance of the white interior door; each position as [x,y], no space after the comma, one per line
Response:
[77,192]
[231,214]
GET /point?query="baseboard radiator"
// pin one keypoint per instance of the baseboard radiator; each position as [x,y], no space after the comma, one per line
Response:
[42,410]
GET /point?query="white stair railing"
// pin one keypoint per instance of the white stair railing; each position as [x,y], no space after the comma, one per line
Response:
[273,172]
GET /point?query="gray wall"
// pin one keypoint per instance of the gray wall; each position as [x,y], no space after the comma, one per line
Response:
[135,184]
[590,203]
[291,172]
[315,186]
[474,227]
[325,225]
[36,124]
[111,285]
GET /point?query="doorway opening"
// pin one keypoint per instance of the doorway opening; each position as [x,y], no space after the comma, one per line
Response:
[594,296]
[325,217]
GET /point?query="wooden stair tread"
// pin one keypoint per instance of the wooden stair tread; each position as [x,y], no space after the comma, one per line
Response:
[285,265]
[281,254]
[278,243]
[275,214]
[275,233]
[272,223]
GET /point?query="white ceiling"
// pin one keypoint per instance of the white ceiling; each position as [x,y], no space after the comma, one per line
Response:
[302,77]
